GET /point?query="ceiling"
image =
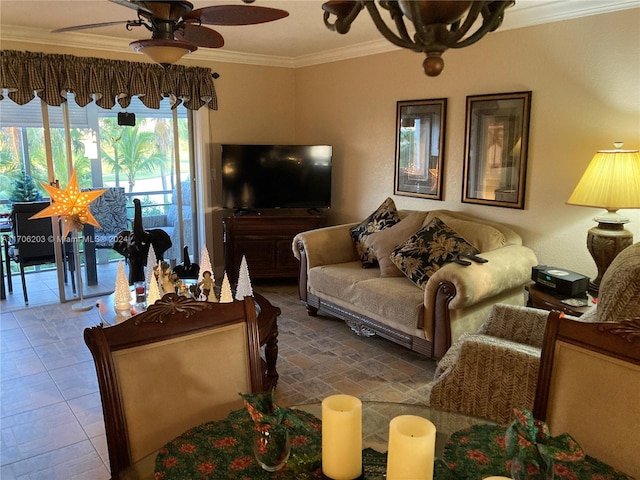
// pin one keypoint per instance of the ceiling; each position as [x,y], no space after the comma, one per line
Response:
[297,40]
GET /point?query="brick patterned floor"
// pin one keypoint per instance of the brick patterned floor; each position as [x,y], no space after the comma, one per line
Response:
[51,418]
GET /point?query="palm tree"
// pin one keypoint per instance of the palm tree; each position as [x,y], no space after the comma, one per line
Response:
[110,134]
[135,153]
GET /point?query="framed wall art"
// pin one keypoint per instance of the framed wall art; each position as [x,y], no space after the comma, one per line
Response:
[495,153]
[420,133]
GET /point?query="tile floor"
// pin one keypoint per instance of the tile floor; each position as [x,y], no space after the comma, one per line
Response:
[51,418]
[42,287]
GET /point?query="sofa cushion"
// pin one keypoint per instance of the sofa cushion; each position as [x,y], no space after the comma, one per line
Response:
[386,215]
[396,302]
[384,241]
[429,249]
[482,236]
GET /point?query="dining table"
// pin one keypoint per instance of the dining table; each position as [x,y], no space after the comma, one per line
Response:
[306,438]
[467,448]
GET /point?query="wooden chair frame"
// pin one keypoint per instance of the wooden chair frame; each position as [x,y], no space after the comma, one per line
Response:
[171,317]
[619,341]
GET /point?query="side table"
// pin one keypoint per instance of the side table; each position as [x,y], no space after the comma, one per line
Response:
[538,297]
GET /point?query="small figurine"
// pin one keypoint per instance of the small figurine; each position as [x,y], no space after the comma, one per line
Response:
[176,282]
[183,288]
[206,284]
[167,284]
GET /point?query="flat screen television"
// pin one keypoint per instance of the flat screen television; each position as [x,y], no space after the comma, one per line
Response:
[276,176]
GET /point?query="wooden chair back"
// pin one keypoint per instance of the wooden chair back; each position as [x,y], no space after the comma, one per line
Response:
[589,387]
[178,364]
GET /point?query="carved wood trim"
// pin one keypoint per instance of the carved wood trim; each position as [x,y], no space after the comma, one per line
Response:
[302,274]
[441,319]
[414,343]
[170,304]
[627,329]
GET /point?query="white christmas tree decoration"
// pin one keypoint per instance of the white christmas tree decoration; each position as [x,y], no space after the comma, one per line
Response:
[226,296]
[244,282]
[212,296]
[151,264]
[122,294]
[153,293]
[205,264]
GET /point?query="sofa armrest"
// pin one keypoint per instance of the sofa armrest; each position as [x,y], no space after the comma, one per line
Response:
[507,267]
[326,246]
[486,377]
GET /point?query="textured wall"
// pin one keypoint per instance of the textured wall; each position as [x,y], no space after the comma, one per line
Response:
[584,76]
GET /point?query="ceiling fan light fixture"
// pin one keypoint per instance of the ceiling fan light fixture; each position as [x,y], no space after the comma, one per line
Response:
[163,51]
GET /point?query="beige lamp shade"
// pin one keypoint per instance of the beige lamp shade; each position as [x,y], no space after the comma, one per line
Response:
[611,181]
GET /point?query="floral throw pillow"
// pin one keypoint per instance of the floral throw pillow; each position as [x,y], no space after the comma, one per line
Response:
[429,249]
[386,215]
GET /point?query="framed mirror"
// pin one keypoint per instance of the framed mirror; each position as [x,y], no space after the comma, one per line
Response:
[496,144]
[420,134]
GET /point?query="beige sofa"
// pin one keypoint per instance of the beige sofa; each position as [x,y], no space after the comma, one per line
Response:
[456,298]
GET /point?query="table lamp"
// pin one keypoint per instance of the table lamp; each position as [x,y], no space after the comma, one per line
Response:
[612,182]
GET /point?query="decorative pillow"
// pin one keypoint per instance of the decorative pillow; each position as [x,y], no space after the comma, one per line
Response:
[482,236]
[429,249]
[386,215]
[383,242]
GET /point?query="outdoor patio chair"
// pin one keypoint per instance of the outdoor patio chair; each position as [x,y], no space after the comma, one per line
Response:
[33,243]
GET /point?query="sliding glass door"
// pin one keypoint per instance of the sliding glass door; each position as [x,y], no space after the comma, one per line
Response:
[149,158]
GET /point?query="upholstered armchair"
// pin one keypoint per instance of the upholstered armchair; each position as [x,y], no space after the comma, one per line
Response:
[488,373]
[491,371]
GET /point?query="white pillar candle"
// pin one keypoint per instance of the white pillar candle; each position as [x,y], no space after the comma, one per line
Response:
[412,444]
[342,437]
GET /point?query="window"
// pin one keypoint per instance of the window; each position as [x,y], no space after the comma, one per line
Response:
[141,159]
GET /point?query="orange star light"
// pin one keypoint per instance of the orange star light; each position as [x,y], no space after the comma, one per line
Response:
[71,205]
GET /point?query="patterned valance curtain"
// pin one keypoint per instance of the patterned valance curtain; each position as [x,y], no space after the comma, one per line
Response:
[50,76]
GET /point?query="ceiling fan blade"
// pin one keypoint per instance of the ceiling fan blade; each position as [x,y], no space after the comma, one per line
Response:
[200,36]
[236,15]
[92,25]
[134,5]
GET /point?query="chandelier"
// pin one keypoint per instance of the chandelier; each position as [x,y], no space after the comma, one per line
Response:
[436,25]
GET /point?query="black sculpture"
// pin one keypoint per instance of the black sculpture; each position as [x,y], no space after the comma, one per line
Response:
[134,246]
[186,269]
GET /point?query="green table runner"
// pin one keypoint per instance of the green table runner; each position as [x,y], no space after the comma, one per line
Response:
[480,451]
[222,450]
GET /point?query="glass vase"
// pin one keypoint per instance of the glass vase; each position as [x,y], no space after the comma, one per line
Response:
[271,446]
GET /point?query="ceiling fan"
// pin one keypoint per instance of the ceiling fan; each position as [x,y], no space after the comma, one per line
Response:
[177,28]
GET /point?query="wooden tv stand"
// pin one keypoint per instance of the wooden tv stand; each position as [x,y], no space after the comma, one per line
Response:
[265,239]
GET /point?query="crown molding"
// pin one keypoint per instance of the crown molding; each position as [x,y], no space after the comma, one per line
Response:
[346,53]
[533,12]
[34,36]
[528,13]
